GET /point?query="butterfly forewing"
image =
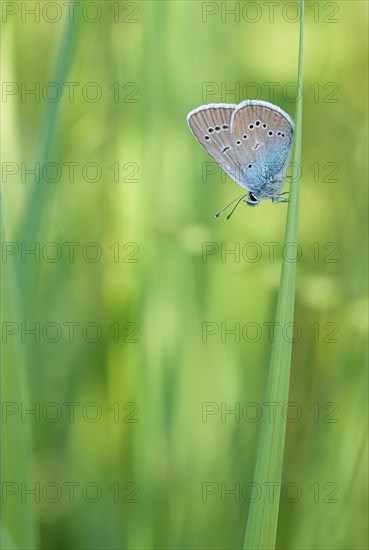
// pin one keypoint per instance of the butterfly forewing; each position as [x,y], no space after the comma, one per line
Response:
[261,135]
[210,124]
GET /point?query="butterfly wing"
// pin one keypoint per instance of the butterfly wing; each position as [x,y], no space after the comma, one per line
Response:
[261,134]
[210,124]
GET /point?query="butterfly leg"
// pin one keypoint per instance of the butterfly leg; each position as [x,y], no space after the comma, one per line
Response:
[277,200]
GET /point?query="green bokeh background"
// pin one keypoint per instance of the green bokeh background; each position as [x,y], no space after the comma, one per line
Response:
[162,54]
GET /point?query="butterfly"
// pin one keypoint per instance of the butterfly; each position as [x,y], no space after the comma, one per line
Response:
[251,142]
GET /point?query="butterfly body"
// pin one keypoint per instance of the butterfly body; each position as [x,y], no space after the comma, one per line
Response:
[250,141]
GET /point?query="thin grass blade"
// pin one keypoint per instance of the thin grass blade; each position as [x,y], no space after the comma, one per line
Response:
[262,522]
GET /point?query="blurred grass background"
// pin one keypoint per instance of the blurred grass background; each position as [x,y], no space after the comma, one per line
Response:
[168,53]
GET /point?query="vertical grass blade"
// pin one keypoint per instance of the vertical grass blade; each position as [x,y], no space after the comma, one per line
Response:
[262,522]
[20,527]
[38,200]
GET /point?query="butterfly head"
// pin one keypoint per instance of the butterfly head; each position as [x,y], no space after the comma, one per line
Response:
[252,199]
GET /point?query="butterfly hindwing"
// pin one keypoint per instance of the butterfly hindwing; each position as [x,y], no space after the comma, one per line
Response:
[261,135]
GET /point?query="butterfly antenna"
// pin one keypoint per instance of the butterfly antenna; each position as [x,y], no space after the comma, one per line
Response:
[234,208]
[230,204]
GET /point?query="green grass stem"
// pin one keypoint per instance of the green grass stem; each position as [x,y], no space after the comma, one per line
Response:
[32,225]
[262,522]
[19,522]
